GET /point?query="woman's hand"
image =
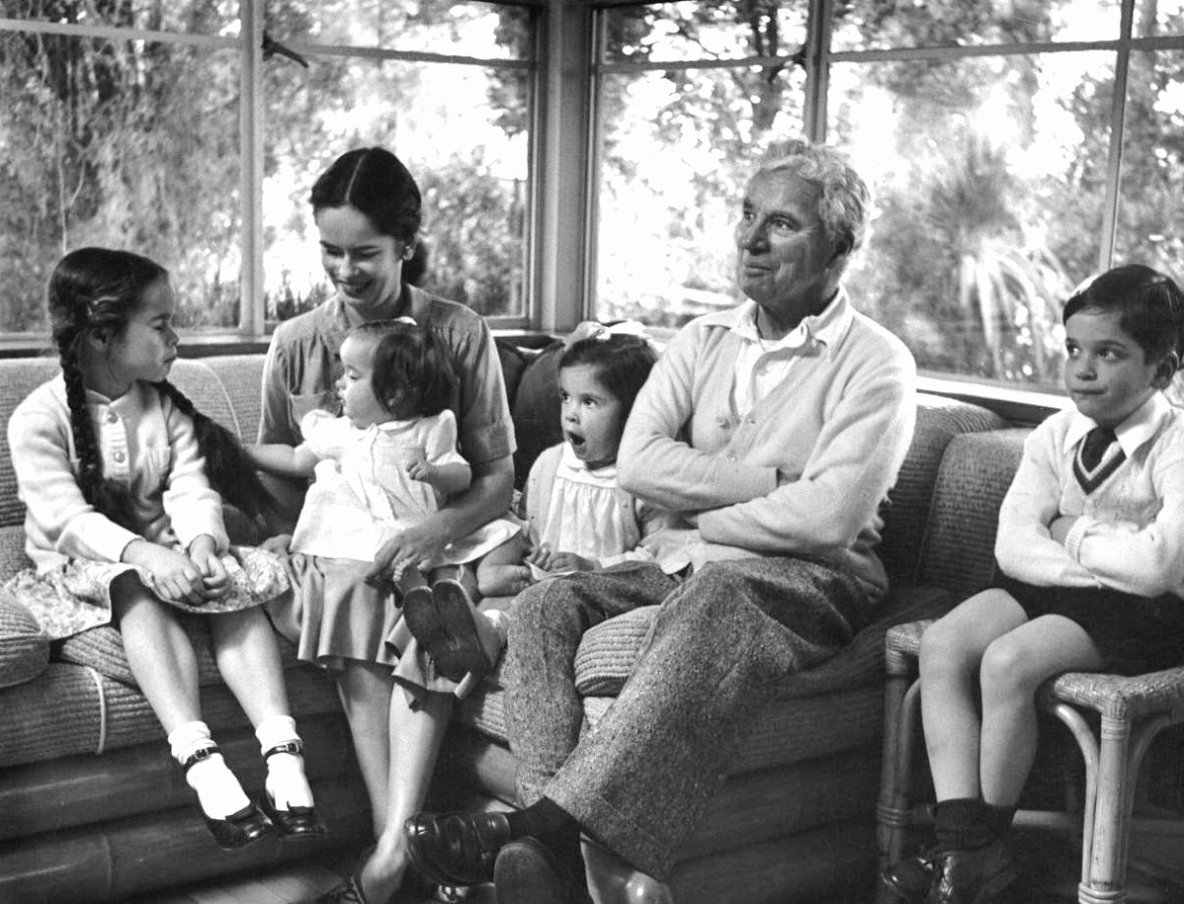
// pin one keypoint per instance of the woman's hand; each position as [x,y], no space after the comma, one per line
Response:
[204,553]
[543,557]
[173,575]
[414,547]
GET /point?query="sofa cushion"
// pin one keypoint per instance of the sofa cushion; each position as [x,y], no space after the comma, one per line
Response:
[24,649]
[964,514]
[906,512]
[535,409]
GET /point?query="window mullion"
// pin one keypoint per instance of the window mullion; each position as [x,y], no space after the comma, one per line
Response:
[817,63]
[1117,127]
[251,307]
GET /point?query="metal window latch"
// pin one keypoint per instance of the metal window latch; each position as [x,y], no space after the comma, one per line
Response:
[271,47]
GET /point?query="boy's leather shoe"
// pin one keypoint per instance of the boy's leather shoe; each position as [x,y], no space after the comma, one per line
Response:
[972,877]
[909,880]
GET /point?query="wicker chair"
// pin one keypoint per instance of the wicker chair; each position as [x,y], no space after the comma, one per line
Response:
[1128,711]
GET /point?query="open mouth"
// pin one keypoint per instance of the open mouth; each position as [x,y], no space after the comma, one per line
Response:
[577,441]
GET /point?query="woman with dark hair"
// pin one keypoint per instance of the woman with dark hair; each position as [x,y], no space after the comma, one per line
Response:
[367,209]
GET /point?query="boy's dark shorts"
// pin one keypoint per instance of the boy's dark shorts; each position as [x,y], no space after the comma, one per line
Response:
[1136,633]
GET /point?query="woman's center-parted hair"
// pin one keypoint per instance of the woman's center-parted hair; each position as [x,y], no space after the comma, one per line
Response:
[1149,303]
[411,373]
[622,362]
[374,181]
[96,291]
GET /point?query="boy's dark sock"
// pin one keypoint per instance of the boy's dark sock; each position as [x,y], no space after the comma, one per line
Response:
[961,824]
[999,819]
[559,833]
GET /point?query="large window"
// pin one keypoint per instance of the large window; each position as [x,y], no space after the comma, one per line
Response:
[162,127]
[1013,148]
[585,157]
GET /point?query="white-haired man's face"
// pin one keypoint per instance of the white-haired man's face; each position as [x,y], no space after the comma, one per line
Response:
[784,261]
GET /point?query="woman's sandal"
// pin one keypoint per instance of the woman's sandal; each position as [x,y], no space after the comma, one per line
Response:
[294,822]
[239,829]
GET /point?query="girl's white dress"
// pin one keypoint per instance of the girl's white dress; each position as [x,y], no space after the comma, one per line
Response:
[361,496]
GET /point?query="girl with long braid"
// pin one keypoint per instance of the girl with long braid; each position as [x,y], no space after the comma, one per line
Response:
[123,482]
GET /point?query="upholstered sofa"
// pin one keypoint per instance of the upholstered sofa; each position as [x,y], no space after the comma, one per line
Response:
[93,809]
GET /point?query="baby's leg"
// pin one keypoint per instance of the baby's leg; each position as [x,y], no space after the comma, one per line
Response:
[248,656]
[951,651]
[501,572]
[1012,668]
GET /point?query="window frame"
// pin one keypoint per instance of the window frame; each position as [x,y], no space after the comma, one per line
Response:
[567,66]
[253,330]
[1015,402]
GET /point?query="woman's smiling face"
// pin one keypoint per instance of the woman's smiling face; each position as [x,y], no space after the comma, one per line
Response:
[365,266]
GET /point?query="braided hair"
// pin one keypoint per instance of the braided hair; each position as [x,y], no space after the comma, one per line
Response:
[97,291]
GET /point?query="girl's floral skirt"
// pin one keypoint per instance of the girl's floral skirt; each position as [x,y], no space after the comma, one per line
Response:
[76,596]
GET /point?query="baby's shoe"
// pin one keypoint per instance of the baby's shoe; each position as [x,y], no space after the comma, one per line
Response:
[458,649]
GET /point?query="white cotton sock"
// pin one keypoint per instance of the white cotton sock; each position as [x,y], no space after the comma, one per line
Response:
[218,791]
[286,782]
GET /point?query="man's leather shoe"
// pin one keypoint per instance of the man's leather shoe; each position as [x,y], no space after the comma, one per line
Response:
[456,848]
[972,877]
[527,872]
[909,880]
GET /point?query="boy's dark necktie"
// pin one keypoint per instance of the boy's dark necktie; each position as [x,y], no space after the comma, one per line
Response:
[1088,466]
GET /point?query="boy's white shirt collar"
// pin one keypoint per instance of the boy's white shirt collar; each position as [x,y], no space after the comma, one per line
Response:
[825,328]
[1139,426]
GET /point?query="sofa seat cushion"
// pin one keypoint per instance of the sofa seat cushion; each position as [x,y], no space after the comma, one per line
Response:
[608,651]
[101,649]
[73,709]
[24,649]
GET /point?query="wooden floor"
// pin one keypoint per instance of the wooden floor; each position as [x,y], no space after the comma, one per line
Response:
[1054,868]
[294,883]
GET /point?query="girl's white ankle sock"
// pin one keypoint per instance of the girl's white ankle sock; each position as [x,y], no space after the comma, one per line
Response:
[286,782]
[218,791]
